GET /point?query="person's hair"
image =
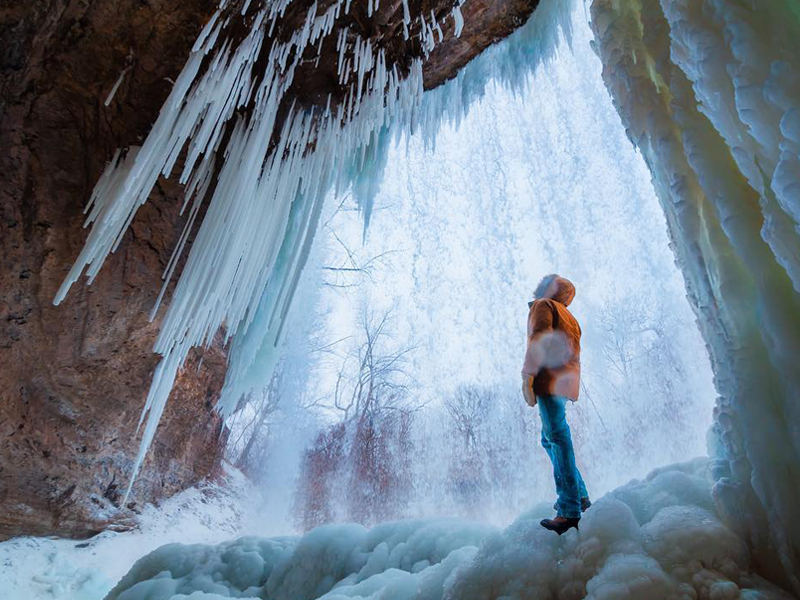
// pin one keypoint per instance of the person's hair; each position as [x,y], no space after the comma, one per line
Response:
[541,289]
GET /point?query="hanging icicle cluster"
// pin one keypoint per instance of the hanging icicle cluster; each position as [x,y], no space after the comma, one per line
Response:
[263,161]
[268,178]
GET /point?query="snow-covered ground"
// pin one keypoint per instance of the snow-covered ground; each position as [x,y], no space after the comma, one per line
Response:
[46,568]
[654,539]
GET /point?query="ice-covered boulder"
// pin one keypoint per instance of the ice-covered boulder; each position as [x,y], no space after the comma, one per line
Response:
[659,538]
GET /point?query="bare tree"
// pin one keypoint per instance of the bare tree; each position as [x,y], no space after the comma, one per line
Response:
[349,271]
[380,382]
[641,363]
[468,408]
[350,268]
[369,448]
[314,502]
[249,442]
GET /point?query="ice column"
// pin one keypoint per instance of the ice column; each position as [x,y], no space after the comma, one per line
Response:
[708,91]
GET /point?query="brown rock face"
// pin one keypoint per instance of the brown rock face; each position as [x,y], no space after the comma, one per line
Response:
[73,378]
[485,22]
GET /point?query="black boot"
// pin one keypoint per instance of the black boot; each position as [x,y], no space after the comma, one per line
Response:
[560,524]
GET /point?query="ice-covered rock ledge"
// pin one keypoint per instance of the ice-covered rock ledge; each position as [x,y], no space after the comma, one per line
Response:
[655,539]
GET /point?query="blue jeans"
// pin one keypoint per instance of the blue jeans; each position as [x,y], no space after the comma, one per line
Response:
[557,442]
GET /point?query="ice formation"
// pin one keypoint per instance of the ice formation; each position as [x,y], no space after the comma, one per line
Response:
[37,568]
[710,93]
[244,265]
[117,83]
[656,538]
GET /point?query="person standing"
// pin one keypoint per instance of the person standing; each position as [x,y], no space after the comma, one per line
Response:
[550,378]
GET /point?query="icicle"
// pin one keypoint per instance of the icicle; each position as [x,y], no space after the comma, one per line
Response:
[198,44]
[435,25]
[113,91]
[458,19]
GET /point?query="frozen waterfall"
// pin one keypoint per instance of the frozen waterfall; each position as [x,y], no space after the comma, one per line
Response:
[461,233]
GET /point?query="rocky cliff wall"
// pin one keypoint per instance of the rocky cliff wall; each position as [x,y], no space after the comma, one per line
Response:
[73,378]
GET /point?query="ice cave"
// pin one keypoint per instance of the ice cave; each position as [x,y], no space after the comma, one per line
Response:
[271,269]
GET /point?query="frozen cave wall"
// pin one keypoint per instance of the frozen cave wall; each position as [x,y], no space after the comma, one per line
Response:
[710,93]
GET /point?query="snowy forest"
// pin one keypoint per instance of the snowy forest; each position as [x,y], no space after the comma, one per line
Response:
[274,349]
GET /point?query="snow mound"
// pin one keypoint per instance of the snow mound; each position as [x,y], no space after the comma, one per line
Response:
[654,539]
[39,568]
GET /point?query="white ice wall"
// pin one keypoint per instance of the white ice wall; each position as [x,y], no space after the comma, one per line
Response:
[708,92]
